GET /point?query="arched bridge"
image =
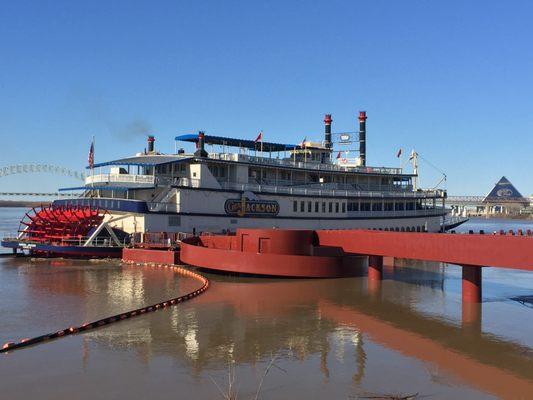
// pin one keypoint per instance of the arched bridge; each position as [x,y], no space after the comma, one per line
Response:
[40,194]
[33,168]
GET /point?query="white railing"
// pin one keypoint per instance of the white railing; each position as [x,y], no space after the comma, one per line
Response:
[163,207]
[292,190]
[398,213]
[120,178]
[9,237]
[78,241]
[303,165]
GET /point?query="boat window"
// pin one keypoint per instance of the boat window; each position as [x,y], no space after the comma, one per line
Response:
[294,206]
[323,207]
[302,206]
[377,206]
[174,220]
[343,207]
[316,206]
[330,207]
[365,206]
[389,206]
[353,206]
[309,206]
[336,207]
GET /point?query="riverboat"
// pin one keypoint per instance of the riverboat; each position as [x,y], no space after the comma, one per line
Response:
[256,184]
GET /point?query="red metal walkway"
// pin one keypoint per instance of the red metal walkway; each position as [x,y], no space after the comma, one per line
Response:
[329,253]
[503,251]
[471,251]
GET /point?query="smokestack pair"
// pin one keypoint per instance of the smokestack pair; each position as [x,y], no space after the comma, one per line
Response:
[362,135]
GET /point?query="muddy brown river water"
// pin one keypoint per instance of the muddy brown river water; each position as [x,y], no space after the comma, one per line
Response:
[328,339]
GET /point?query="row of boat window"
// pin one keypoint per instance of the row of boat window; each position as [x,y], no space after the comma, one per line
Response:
[352,206]
[318,206]
[386,206]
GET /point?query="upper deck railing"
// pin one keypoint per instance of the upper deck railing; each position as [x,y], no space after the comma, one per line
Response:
[141,180]
[319,190]
[294,190]
[302,165]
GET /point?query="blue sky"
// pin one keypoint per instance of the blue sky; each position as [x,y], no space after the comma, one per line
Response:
[451,79]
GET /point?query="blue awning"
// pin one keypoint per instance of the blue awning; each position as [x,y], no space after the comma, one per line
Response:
[235,142]
[145,160]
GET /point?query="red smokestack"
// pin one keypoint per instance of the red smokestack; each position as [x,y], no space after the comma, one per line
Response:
[327,130]
[151,141]
[200,146]
[362,137]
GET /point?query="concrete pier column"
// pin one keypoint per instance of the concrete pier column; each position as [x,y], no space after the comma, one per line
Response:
[471,284]
[375,268]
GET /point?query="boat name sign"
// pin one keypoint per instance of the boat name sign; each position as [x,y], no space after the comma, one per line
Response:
[253,208]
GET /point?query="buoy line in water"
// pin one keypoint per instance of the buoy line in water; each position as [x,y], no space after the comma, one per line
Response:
[10,346]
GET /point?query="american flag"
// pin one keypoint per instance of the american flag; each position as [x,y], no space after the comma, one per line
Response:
[91,156]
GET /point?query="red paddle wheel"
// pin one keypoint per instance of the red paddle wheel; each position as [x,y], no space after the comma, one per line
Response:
[60,224]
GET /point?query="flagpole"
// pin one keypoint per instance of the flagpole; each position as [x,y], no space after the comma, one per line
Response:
[261,169]
[92,167]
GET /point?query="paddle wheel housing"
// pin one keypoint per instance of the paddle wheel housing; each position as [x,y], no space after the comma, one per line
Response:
[60,224]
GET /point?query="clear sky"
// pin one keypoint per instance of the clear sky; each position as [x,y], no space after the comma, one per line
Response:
[453,79]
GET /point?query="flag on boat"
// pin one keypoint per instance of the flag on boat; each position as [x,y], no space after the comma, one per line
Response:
[259,137]
[91,155]
[412,155]
[303,144]
[339,155]
[399,153]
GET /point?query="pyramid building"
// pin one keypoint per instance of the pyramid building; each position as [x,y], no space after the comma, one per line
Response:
[504,198]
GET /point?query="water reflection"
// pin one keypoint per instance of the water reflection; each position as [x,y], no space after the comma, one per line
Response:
[246,320]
